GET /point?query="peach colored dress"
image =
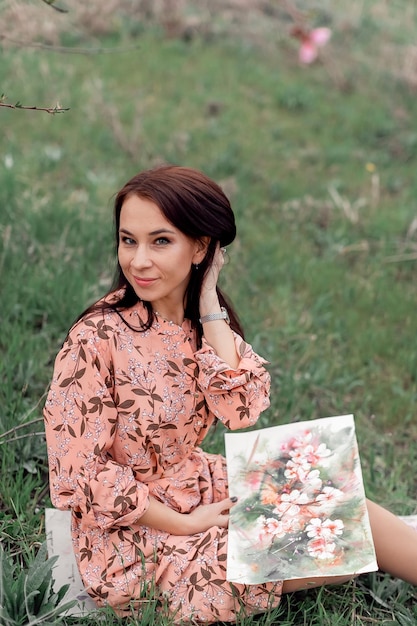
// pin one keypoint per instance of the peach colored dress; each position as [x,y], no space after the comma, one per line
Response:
[125,415]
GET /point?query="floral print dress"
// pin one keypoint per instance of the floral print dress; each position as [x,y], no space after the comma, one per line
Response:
[125,415]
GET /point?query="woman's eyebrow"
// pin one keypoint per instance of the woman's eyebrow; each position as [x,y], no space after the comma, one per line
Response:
[159,231]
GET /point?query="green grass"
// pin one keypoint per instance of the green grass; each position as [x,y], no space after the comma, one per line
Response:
[323,270]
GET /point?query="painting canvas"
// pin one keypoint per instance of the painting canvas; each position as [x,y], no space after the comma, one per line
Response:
[301,508]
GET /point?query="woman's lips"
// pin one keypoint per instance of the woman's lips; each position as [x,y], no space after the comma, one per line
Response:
[144,282]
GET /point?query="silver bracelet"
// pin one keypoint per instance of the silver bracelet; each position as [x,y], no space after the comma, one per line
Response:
[211,317]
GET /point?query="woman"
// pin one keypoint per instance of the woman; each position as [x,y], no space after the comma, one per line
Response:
[141,377]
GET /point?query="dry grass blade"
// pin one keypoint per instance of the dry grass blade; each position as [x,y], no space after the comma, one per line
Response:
[398,258]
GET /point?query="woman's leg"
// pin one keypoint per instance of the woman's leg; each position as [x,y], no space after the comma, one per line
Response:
[395,546]
[395,543]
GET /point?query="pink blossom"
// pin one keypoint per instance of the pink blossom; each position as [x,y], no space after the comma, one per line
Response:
[290,503]
[311,41]
[299,456]
[333,528]
[321,549]
[292,524]
[254,479]
[302,439]
[315,455]
[313,480]
[326,530]
[269,527]
[310,454]
[296,471]
[329,495]
[285,447]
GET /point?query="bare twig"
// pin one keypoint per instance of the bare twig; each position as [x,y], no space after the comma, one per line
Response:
[52,110]
[24,424]
[19,427]
[51,3]
[12,439]
[67,49]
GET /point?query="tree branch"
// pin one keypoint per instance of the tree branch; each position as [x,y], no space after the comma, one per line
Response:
[67,49]
[51,3]
[52,110]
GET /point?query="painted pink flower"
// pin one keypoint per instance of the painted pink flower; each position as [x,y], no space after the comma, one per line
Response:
[311,42]
[269,527]
[313,480]
[298,455]
[302,439]
[292,525]
[254,479]
[329,495]
[327,529]
[296,471]
[321,549]
[290,503]
[316,454]
[332,528]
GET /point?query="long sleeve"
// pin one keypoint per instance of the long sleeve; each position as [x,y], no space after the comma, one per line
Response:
[81,418]
[236,397]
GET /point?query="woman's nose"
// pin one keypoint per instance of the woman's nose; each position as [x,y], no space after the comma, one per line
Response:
[141,257]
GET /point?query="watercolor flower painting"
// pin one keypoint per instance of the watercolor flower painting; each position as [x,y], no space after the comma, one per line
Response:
[301,505]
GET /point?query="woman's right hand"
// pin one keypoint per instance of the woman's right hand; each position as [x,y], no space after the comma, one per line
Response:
[205,516]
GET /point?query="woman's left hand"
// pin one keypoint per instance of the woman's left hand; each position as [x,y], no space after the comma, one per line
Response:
[217,332]
[209,302]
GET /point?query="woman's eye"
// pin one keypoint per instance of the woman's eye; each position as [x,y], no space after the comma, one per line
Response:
[162,241]
[127,240]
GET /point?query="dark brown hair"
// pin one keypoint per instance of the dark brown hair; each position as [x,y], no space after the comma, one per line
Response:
[195,205]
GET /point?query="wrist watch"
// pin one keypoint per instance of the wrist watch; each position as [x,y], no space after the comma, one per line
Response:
[211,317]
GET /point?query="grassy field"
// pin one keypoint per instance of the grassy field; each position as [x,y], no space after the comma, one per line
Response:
[320,165]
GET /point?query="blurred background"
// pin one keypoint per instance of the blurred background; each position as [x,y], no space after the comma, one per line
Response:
[306,114]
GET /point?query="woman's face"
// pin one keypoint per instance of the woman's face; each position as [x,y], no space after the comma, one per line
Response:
[156,258]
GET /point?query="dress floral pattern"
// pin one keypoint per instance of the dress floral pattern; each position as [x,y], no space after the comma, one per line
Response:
[125,415]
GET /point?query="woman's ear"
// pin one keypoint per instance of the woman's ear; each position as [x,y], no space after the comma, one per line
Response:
[201,249]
